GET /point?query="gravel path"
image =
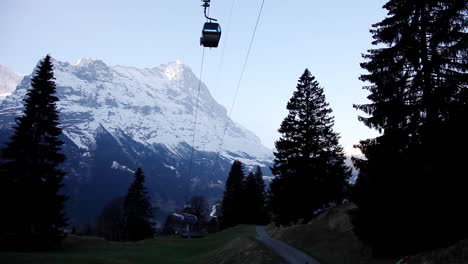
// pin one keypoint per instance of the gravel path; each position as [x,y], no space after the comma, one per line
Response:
[290,254]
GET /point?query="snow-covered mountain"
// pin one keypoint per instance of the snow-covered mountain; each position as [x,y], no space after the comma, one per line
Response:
[118,118]
[8,81]
[152,106]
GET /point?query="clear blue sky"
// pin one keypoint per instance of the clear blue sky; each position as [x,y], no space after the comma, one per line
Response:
[328,37]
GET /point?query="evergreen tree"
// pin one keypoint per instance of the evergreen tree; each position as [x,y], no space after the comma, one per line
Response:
[232,212]
[419,101]
[309,162]
[138,212]
[255,199]
[32,216]
[110,222]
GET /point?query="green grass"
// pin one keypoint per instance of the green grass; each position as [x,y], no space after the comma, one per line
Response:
[234,245]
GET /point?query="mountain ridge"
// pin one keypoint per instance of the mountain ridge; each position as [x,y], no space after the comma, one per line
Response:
[118,118]
[91,88]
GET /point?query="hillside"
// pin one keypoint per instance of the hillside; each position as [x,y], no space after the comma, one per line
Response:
[233,246]
[329,238]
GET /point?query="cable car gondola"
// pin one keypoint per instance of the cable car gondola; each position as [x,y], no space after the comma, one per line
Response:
[211,32]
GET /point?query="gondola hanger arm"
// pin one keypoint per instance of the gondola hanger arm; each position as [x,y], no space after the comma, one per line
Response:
[211,19]
[206,5]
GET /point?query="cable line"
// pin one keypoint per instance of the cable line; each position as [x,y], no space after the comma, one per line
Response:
[239,83]
[195,121]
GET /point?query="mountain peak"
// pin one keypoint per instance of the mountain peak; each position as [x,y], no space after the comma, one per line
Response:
[174,69]
[86,61]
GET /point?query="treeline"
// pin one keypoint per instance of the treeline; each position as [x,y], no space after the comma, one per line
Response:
[244,200]
[128,218]
[410,191]
[309,168]
[411,186]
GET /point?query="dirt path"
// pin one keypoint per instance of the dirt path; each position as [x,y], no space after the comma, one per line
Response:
[290,254]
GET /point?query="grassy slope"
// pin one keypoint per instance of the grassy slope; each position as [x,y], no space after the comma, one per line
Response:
[231,246]
[329,238]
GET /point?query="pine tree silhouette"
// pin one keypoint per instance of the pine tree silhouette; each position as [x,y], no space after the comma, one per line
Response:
[232,208]
[309,164]
[32,216]
[418,97]
[138,212]
[254,196]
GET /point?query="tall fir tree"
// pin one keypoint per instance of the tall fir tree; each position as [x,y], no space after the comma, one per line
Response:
[309,163]
[232,212]
[138,211]
[254,197]
[32,207]
[411,183]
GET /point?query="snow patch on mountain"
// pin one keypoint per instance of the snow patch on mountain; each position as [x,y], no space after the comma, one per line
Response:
[170,167]
[117,166]
[152,106]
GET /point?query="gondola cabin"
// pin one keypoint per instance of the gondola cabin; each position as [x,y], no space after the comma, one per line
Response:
[211,34]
